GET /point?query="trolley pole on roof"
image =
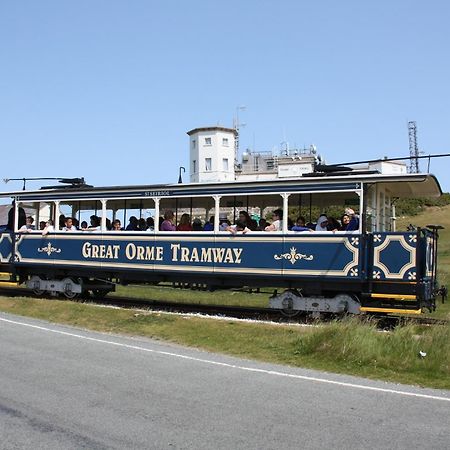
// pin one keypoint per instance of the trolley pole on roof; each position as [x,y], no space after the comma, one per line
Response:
[413,148]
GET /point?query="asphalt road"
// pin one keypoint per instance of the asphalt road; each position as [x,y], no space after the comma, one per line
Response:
[65,388]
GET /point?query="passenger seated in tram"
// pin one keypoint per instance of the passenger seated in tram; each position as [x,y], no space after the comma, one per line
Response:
[290,223]
[262,224]
[167,224]
[197,225]
[42,225]
[354,220]
[300,225]
[277,224]
[185,223]
[49,228]
[142,224]
[68,225]
[238,227]
[209,226]
[333,224]
[61,220]
[224,223]
[133,224]
[322,223]
[95,223]
[345,220]
[116,225]
[150,224]
[28,225]
[245,218]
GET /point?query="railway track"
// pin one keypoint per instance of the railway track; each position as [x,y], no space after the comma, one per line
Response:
[224,311]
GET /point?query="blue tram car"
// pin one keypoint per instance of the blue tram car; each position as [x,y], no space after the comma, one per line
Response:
[374,268]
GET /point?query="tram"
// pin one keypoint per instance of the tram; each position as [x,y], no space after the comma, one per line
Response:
[374,268]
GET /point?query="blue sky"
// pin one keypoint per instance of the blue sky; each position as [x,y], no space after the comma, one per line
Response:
[108,89]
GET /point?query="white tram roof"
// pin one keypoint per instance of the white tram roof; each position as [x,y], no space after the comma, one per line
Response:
[398,185]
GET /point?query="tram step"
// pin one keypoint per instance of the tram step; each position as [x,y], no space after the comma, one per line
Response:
[8,283]
[403,297]
[390,310]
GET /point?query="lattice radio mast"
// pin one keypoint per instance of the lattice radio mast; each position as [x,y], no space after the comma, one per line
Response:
[413,148]
[237,124]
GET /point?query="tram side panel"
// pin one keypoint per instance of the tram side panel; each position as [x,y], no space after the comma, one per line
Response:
[253,262]
[249,259]
[6,252]
[395,271]
[323,257]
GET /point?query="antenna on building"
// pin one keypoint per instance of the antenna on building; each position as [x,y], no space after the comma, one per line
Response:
[237,124]
[413,148]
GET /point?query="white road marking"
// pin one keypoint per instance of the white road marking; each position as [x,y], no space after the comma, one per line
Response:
[213,317]
[233,366]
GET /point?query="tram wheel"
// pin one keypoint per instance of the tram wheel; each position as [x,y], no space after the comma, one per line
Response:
[287,312]
[38,292]
[68,292]
[288,303]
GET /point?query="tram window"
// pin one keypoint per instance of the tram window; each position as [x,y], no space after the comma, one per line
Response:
[310,207]
[28,216]
[66,210]
[85,214]
[251,209]
[41,212]
[189,213]
[133,214]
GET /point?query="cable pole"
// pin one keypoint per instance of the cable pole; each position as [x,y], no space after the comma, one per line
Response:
[413,148]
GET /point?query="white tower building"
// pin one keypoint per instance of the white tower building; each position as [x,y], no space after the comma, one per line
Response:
[212,153]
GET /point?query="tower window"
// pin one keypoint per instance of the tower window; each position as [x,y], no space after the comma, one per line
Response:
[225,142]
[208,141]
[194,166]
[225,164]
[208,164]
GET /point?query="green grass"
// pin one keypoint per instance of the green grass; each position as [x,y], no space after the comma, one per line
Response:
[350,346]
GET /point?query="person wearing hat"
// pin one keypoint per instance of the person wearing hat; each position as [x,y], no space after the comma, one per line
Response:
[223,222]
